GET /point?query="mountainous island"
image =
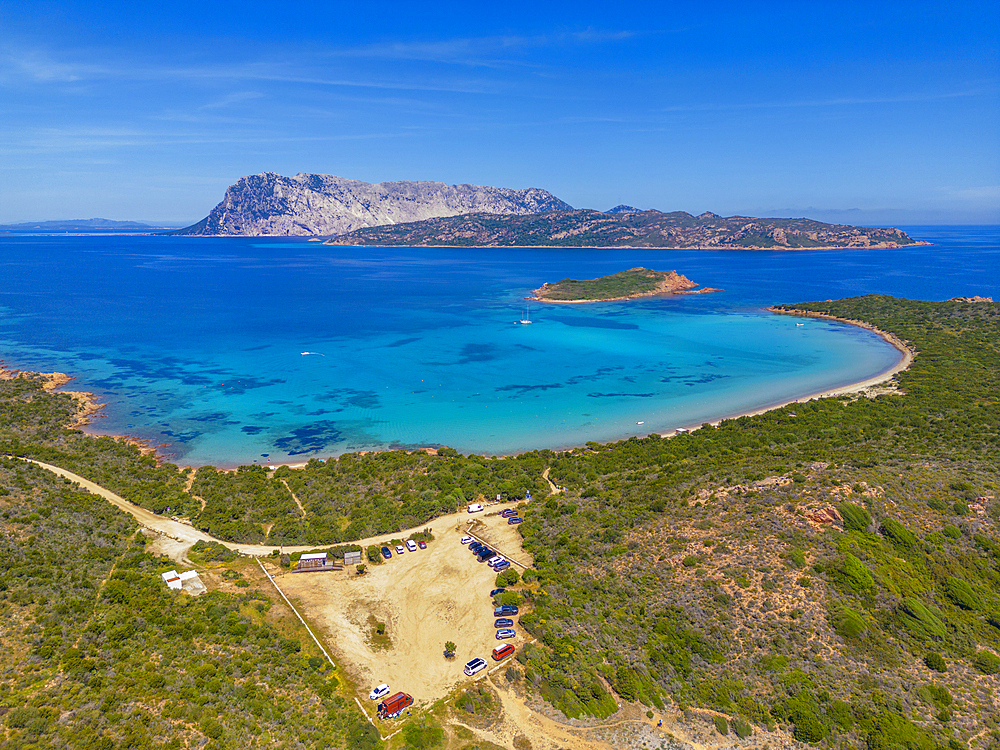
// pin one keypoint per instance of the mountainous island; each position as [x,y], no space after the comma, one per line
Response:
[624,285]
[626,228]
[81,226]
[319,204]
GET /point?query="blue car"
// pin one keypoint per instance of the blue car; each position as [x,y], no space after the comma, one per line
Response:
[514,520]
[386,553]
[500,566]
[503,622]
[505,610]
[494,592]
[508,512]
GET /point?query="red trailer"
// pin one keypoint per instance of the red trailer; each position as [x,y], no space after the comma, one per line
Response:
[394,705]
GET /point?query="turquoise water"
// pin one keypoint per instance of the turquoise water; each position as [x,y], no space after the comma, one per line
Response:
[197,344]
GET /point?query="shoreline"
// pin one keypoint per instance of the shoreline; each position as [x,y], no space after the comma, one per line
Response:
[727,248]
[91,407]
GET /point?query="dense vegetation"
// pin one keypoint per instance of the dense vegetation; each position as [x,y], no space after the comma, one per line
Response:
[99,653]
[832,568]
[635,282]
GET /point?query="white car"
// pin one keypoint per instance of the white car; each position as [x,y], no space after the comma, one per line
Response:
[494,560]
[411,545]
[399,549]
[380,692]
[474,666]
[475,508]
[465,539]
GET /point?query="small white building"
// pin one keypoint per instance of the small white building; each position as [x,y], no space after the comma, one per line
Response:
[312,560]
[189,580]
[172,580]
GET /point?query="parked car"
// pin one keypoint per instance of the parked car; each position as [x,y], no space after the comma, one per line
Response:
[508,512]
[399,549]
[411,545]
[504,610]
[386,553]
[475,508]
[422,544]
[503,622]
[501,566]
[494,561]
[485,554]
[476,546]
[380,692]
[502,652]
[476,665]
[465,539]
[503,633]
[514,520]
[494,592]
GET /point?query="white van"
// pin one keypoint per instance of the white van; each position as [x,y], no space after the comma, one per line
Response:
[475,508]
[411,545]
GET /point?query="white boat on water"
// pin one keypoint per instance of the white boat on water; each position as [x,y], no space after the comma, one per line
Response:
[527,318]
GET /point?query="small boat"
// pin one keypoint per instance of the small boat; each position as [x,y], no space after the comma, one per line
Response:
[527,318]
[640,423]
[800,324]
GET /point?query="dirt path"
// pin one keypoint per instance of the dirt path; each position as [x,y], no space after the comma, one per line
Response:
[553,488]
[294,497]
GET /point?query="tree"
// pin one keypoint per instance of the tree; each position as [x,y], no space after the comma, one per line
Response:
[449,650]
[362,568]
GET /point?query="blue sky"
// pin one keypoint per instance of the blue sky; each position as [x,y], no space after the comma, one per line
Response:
[873,112]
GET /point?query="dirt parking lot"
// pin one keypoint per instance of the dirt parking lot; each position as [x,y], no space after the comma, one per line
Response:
[425,598]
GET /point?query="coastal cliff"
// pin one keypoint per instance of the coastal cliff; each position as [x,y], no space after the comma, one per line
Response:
[318,204]
[626,227]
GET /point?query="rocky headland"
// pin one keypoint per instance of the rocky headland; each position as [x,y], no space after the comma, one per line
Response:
[318,204]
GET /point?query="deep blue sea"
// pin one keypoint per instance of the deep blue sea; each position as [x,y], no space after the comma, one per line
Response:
[198,343]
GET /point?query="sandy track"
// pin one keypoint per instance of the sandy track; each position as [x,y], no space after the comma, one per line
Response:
[425,598]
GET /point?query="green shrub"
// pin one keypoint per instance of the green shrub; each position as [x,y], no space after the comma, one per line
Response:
[961,593]
[952,532]
[935,661]
[919,620]
[741,727]
[848,623]
[854,573]
[987,662]
[898,534]
[721,725]
[855,517]
[809,729]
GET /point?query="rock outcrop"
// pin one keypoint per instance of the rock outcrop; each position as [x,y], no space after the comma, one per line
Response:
[319,204]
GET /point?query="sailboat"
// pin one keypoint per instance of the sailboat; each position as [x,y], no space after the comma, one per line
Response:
[527,319]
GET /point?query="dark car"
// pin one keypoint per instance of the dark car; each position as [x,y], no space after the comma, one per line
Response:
[508,512]
[504,610]
[494,592]
[476,546]
[501,566]
[485,554]
[386,552]
[503,622]
[515,519]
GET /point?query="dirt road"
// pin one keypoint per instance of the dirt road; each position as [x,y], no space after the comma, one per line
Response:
[187,535]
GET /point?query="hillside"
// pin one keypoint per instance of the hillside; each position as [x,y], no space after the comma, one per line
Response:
[586,228]
[319,204]
[827,572]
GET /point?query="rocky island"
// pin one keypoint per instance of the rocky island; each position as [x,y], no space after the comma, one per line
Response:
[631,284]
[626,227]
